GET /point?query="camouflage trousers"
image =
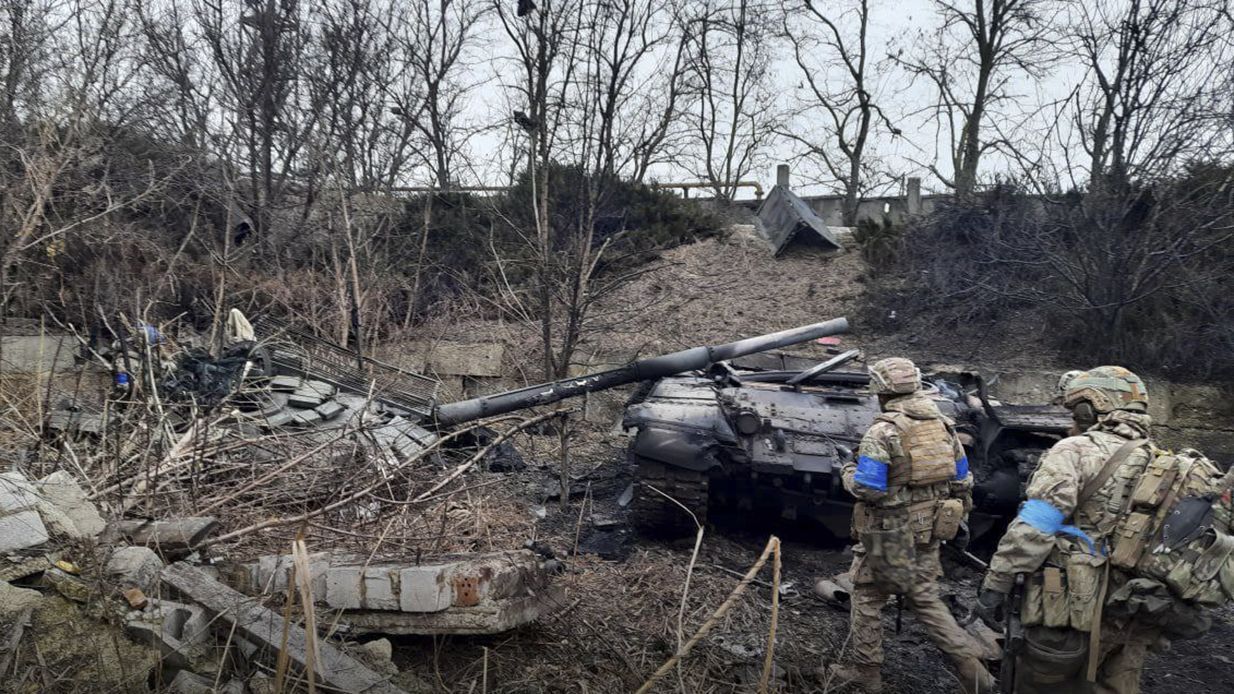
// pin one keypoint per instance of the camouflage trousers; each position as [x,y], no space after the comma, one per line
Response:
[1123,651]
[865,641]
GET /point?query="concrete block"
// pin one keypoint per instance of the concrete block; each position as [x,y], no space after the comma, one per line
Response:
[272,572]
[20,524]
[62,490]
[135,567]
[425,589]
[329,409]
[359,588]
[181,632]
[307,418]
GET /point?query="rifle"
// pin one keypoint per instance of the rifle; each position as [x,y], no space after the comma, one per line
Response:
[1013,637]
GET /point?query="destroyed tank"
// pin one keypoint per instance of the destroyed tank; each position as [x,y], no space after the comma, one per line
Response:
[768,434]
[734,426]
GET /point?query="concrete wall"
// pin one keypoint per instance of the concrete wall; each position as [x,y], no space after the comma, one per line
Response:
[36,353]
[829,207]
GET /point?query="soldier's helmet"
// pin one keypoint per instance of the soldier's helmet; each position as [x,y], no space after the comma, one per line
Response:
[894,376]
[1107,388]
[1060,391]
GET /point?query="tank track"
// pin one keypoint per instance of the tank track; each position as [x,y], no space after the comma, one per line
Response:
[654,514]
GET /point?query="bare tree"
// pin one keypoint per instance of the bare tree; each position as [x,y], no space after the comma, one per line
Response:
[837,75]
[729,113]
[971,60]
[1153,95]
[437,39]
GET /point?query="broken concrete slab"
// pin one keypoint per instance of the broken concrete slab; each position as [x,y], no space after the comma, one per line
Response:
[491,617]
[60,489]
[180,631]
[270,574]
[480,594]
[329,409]
[20,524]
[287,384]
[37,353]
[306,418]
[304,401]
[320,389]
[134,567]
[167,537]
[253,621]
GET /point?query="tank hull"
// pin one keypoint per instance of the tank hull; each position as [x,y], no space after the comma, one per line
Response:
[773,450]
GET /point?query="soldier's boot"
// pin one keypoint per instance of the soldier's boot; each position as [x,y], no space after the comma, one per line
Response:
[866,679]
[974,678]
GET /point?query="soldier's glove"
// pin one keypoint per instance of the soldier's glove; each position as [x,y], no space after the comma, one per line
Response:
[991,607]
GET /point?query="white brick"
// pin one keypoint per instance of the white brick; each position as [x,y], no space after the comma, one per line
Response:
[357,588]
[424,589]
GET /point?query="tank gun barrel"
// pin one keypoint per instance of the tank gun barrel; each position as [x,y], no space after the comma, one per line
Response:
[454,413]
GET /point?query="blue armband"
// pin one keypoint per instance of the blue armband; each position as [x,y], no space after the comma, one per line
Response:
[1041,515]
[961,468]
[871,473]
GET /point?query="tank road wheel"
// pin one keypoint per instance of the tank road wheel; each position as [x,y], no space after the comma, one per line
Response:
[654,514]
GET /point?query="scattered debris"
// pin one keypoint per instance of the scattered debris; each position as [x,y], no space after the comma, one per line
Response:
[169,537]
[833,591]
[134,567]
[332,667]
[62,491]
[20,524]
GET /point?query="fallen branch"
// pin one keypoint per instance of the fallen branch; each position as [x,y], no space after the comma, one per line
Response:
[773,544]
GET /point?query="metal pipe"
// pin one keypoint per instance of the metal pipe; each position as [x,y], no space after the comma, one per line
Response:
[758,187]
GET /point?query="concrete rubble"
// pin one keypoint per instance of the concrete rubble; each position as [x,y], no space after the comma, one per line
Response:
[178,622]
[21,526]
[470,594]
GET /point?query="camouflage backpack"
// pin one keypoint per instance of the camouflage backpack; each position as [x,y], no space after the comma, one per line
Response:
[1174,529]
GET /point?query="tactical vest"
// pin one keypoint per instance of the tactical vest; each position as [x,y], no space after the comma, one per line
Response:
[891,533]
[1197,572]
[929,451]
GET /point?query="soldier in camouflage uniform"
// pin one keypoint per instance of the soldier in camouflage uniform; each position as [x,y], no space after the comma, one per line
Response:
[913,488]
[1065,566]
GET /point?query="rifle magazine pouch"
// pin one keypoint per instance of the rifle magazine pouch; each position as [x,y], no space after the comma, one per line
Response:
[1154,485]
[1085,573]
[948,518]
[1031,611]
[1130,540]
[1054,611]
[891,557]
